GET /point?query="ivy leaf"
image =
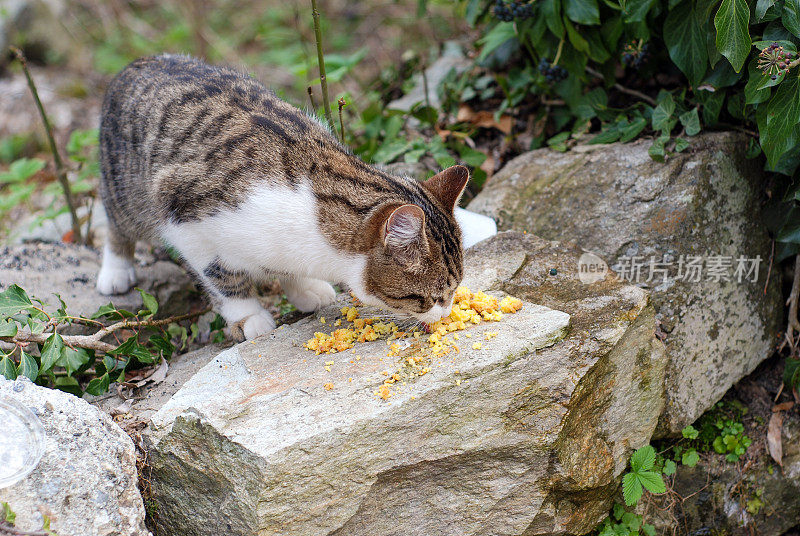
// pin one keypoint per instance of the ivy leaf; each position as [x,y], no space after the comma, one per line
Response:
[663,113]
[685,37]
[496,37]
[68,384]
[28,367]
[643,459]
[691,122]
[761,8]
[791,372]
[51,351]
[652,481]
[657,150]
[132,348]
[681,145]
[733,35]
[13,300]
[791,16]
[8,328]
[98,386]
[636,10]
[582,11]
[149,302]
[783,114]
[631,489]
[73,359]
[7,368]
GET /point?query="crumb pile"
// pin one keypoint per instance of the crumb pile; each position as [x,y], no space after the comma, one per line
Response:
[418,349]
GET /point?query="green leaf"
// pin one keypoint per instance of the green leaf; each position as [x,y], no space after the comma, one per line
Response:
[73,359]
[631,489]
[685,37]
[496,37]
[559,142]
[98,386]
[163,345]
[28,367]
[691,122]
[7,368]
[657,150]
[669,467]
[582,11]
[132,348]
[51,351]
[733,35]
[648,529]
[791,372]
[652,481]
[636,10]
[68,384]
[761,8]
[8,514]
[21,170]
[8,328]
[783,114]
[149,302]
[791,16]
[13,300]
[681,145]
[643,459]
[663,112]
[690,432]
[633,129]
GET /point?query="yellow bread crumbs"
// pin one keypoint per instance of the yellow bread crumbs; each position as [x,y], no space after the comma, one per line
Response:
[328,386]
[469,308]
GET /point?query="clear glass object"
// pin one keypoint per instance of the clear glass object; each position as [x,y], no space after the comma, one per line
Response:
[21,441]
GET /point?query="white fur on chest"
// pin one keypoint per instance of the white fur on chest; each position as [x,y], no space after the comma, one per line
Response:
[275,229]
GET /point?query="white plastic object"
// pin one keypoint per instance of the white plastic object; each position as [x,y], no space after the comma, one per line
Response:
[22,441]
[474,227]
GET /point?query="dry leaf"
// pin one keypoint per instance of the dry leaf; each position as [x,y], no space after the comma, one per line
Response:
[484,119]
[160,373]
[774,437]
[123,408]
[783,406]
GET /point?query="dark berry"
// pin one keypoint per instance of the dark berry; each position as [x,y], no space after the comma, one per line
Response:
[553,271]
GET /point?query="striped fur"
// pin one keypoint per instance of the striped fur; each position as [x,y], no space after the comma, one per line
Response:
[245,186]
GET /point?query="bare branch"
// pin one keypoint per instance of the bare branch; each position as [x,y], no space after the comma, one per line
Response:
[61,170]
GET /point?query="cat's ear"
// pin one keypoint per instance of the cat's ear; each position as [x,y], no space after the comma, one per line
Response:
[404,234]
[448,185]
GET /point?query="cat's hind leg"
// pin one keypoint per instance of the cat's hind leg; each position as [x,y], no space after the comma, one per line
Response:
[233,296]
[117,274]
[308,294]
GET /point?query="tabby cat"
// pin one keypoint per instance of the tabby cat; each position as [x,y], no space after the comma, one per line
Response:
[244,187]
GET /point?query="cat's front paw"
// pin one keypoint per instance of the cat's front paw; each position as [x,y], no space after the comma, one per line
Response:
[255,325]
[311,295]
[115,280]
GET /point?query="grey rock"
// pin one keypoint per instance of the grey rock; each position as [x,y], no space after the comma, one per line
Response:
[452,58]
[86,481]
[528,435]
[616,202]
[44,270]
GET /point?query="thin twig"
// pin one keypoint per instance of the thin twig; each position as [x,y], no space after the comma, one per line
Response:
[61,170]
[619,87]
[7,529]
[342,104]
[769,269]
[311,98]
[792,324]
[323,79]
[424,72]
[94,342]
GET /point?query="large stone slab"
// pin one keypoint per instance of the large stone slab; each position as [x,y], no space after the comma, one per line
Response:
[86,481]
[615,201]
[527,435]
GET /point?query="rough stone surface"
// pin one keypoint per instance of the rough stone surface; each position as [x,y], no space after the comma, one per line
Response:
[528,435]
[615,201]
[86,481]
[70,270]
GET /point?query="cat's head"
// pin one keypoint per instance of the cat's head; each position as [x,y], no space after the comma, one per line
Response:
[416,260]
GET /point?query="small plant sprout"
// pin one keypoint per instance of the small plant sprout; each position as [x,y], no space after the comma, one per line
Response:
[642,476]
